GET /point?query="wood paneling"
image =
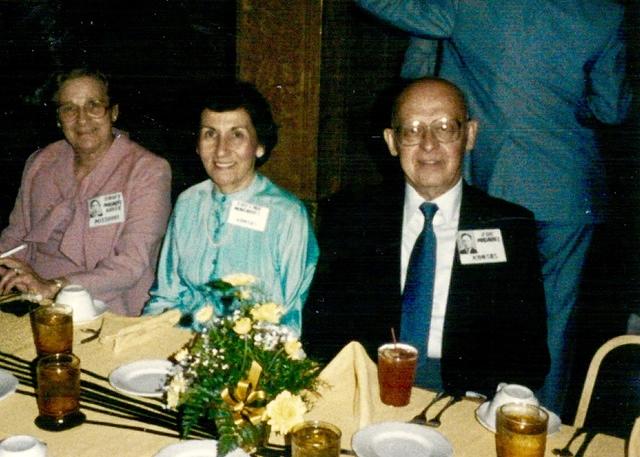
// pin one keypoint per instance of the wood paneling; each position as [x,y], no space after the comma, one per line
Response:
[278,49]
[322,65]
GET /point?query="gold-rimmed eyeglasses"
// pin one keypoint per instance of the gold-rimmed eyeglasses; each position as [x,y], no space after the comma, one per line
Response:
[93,108]
[444,130]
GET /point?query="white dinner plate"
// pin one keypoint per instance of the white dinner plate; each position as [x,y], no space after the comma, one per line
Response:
[196,448]
[399,439]
[8,384]
[100,306]
[490,423]
[144,378]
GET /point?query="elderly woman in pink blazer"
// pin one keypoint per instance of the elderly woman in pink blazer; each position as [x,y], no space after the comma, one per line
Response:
[92,209]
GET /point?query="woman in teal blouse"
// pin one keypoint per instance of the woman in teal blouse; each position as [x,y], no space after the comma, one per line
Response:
[237,221]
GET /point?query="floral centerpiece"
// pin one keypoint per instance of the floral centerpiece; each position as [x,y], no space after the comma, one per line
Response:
[244,370]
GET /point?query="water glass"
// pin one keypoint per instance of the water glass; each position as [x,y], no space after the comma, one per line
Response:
[52,329]
[521,430]
[58,392]
[315,439]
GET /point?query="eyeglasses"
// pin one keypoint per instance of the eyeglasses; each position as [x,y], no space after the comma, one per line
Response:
[444,130]
[94,109]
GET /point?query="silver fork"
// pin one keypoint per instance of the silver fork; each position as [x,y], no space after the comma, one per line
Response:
[421,417]
[435,422]
[95,333]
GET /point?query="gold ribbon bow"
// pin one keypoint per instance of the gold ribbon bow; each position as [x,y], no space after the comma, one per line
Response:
[245,399]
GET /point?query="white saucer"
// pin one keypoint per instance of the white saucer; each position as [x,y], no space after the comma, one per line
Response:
[399,439]
[22,445]
[100,307]
[144,378]
[490,423]
[8,384]
[196,448]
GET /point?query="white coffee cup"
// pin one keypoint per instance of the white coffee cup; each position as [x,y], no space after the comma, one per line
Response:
[509,393]
[80,300]
[22,446]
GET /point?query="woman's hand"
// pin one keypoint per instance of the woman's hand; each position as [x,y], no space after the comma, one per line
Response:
[19,275]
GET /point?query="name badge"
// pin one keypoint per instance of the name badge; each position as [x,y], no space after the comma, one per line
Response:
[248,215]
[106,209]
[481,246]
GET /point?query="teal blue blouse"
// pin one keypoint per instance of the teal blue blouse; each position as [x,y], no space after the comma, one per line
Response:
[201,244]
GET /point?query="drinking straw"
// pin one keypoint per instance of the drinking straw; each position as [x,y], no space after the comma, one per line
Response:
[393,337]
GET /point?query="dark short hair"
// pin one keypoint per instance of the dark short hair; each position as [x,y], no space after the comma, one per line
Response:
[230,96]
[81,72]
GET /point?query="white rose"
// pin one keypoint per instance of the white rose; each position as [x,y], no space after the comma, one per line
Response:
[285,411]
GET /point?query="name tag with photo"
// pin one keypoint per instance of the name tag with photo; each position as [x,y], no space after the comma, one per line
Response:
[480,246]
[248,215]
[106,209]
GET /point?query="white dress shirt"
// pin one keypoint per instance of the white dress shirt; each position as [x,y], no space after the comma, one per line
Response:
[445,227]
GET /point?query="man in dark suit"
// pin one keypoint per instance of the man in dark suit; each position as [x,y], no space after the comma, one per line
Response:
[487,311]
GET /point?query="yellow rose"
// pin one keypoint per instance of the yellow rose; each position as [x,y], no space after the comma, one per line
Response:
[181,355]
[173,398]
[268,312]
[204,314]
[293,348]
[285,411]
[244,294]
[177,386]
[239,279]
[242,326]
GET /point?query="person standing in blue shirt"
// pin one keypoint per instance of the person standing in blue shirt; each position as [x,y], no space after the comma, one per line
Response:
[539,74]
[237,221]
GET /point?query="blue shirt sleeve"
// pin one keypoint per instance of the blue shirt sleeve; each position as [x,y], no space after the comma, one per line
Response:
[172,288]
[299,251]
[167,287]
[609,90]
[429,19]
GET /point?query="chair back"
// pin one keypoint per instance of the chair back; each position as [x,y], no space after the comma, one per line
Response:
[634,440]
[610,399]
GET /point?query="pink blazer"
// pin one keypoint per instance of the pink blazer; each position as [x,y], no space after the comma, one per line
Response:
[115,261]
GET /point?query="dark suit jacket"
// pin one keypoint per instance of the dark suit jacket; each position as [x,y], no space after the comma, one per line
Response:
[495,322]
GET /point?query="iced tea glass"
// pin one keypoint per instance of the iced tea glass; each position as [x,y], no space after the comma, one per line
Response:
[396,372]
[52,329]
[315,439]
[521,430]
[58,392]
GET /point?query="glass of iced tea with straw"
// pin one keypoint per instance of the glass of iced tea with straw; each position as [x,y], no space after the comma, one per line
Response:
[396,372]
